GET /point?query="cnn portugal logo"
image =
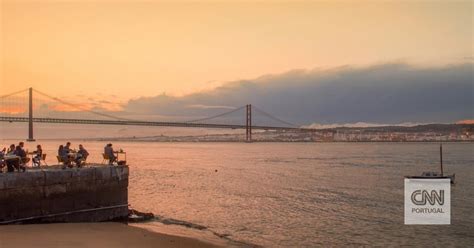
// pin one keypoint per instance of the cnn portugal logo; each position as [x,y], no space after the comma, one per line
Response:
[427,201]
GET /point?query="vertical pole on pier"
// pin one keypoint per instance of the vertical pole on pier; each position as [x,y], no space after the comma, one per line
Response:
[250,122]
[441,157]
[30,116]
[248,125]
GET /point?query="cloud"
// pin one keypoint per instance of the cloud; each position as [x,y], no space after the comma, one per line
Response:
[359,125]
[465,122]
[200,106]
[385,93]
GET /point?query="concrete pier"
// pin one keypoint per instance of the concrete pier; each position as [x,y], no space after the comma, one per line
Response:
[90,194]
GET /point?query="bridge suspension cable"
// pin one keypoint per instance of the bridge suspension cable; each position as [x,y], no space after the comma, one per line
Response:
[216,116]
[14,93]
[258,110]
[82,109]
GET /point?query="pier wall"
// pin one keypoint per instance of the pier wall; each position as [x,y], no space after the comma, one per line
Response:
[69,195]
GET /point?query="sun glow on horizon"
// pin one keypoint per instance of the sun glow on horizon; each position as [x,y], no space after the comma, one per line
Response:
[465,122]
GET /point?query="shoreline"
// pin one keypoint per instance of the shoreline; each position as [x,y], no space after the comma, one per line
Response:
[104,234]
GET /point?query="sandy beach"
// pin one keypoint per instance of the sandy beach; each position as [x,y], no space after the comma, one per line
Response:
[109,234]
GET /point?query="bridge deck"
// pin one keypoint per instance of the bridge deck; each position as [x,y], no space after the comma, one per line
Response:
[146,123]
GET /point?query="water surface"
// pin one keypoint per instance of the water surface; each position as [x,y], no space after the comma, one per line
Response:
[297,194]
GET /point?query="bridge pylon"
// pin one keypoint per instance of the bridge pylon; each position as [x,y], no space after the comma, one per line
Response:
[30,115]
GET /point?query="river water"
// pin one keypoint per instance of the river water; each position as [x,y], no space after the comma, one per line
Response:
[295,194]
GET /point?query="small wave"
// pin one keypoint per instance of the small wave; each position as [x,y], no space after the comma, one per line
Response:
[311,158]
[317,158]
[226,236]
[277,160]
[170,221]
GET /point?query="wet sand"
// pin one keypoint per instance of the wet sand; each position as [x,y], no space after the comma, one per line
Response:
[107,234]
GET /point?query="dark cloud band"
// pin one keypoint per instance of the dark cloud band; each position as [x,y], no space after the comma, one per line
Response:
[385,93]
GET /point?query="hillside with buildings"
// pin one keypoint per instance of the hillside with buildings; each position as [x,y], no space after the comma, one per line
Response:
[419,133]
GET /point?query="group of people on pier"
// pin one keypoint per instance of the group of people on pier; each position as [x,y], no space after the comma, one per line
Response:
[16,157]
[69,156]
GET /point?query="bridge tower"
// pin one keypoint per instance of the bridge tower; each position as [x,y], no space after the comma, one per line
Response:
[30,115]
[248,125]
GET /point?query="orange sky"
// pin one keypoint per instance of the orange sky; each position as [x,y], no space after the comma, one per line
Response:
[122,50]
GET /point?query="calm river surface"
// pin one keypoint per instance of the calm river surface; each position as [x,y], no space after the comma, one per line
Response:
[296,194]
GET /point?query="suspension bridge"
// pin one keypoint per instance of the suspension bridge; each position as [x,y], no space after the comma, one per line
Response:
[33,106]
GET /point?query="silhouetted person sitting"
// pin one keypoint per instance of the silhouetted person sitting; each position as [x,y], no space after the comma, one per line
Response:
[2,157]
[60,150]
[3,152]
[70,154]
[20,152]
[67,147]
[109,152]
[11,163]
[38,155]
[63,155]
[11,150]
[82,155]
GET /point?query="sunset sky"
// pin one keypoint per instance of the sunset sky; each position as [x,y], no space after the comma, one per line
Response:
[122,50]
